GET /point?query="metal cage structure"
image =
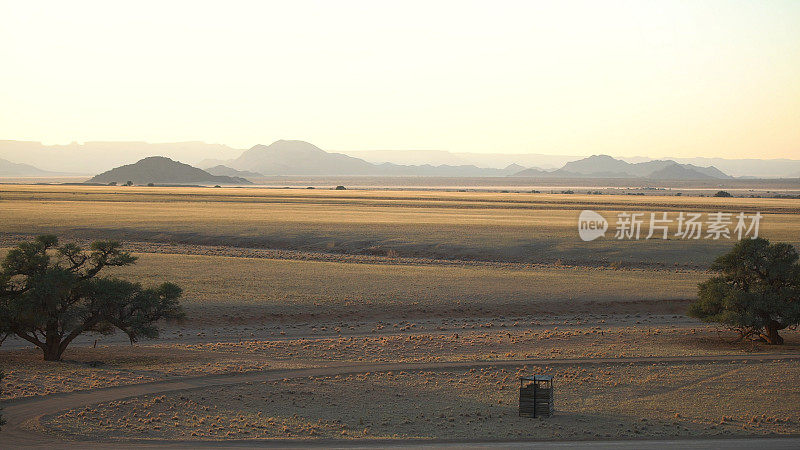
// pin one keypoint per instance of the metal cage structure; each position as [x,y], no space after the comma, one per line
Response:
[536,396]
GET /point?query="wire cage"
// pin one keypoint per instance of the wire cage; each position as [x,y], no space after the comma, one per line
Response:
[536,396]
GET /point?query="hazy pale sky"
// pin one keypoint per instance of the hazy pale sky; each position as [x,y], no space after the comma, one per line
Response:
[651,78]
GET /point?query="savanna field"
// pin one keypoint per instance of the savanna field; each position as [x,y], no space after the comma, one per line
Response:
[322,315]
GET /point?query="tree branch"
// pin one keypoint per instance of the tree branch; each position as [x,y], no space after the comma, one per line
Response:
[29,338]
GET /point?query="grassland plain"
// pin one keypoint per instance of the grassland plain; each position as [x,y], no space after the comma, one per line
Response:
[511,227]
[236,290]
[288,279]
[250,289]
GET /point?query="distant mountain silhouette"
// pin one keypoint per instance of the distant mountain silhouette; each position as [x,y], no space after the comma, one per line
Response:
[230,172]
[287,157]
[750,168]
[604,166]
[532,172]
[10,169]
[94,157]
[678,172]
[596,164]
[711,171]
[162,170]
[441,157]
[299,158]
[444,170]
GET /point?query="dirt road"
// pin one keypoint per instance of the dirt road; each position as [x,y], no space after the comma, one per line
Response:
[24,428]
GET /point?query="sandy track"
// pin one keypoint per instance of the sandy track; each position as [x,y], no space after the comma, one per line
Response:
[24,428]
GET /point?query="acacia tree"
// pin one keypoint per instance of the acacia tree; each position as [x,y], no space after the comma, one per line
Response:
[757,291]
[49,295]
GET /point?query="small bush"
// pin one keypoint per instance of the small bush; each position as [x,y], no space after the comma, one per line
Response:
[340,188]
[723,194]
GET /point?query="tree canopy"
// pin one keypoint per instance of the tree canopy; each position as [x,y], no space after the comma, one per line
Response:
[51,294]
[757,291]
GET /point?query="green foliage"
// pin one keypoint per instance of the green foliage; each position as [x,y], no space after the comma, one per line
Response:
[50,295]
[723,194]
[757,291]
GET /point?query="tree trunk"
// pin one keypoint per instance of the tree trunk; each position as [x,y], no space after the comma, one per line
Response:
[770,333]
[52,339]
[52,351]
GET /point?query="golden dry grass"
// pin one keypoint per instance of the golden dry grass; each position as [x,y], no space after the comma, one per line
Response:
[448,225]
[319,343]
[257,290]
[599,402]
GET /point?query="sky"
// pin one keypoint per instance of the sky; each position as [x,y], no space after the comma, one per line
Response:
[639,78]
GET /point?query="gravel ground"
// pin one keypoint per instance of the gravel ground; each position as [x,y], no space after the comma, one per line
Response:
[599,402]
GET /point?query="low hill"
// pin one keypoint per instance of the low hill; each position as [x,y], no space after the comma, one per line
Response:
[532,172]
[10,169]
[678,172]
[231,172]
[162,170]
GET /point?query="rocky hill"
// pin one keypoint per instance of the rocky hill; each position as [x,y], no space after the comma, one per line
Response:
[162,170]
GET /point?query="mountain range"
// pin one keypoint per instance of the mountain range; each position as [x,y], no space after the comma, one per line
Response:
[291,157]
[301,158]
[162,170]
[287,157]
[604,166]
[749,167]
[98,156]
[442,157]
